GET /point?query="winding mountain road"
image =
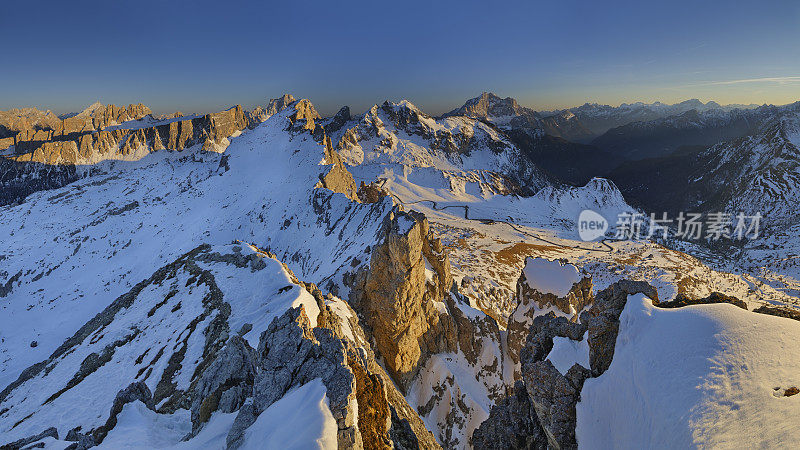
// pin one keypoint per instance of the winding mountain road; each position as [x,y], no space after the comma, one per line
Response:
[516,227]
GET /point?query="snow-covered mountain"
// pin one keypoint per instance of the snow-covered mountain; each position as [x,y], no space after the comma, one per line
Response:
[554,140]
[389,280]
[507,113]
[45,155]
[600,118]
[462,152]
[757,173]
[752,173]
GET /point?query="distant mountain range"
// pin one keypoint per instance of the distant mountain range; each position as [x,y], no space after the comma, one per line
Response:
[601,118]
[758,171]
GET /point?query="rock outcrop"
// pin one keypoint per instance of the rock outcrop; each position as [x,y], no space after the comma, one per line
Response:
[48,158]
[226,383]
[260,114]
[339,120]
[421,327]
[543,403]
[532,303]
[789,313]
[22,443]
[277,105]
[137,391]
[90,142]
[682,300]
[291,353]
[602,320]
[397,296]
[489,105]
[512,424]
[306,119]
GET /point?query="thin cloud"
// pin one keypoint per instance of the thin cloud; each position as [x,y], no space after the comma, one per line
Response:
[776,80]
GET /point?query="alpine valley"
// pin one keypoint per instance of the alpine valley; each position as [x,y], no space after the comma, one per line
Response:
[272,278]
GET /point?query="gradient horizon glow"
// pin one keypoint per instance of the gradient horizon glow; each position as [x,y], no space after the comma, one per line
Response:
[197,56]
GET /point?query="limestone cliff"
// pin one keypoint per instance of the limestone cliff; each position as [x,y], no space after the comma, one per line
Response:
[398,294]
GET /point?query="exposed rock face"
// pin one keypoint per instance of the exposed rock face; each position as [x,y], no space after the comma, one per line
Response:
[221,125]
[487,105]
[137,391]
[30,124]
[512,424]
[338,178]
[374,411]
[381,123]
[551,395]
[370,193]
[540,338]
[602,320]
[681,300]
[90,143]
[277,105]
[291,353]
[6,143]
[409,118]
[397,301]
[18,120]
[554,398]
[16,445]
[306,119]
[339,120]
[46,158]
[418,326]
[540,412]
[531,302]
[20,179]
[778,311]
[226,383]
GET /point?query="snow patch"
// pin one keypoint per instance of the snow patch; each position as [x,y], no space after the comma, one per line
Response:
[566,353]
[550,277]
[300,419]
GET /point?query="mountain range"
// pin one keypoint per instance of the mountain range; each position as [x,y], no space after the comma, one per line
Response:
[273,278]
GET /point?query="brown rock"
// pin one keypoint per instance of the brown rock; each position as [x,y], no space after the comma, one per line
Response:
[396,300]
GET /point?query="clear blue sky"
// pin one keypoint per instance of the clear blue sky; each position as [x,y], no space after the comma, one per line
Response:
[202,55]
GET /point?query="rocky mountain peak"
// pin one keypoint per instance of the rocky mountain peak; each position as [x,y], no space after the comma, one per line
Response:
[277,105]
[489,105]
[90,110]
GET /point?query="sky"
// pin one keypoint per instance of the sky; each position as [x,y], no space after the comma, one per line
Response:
[200,56]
